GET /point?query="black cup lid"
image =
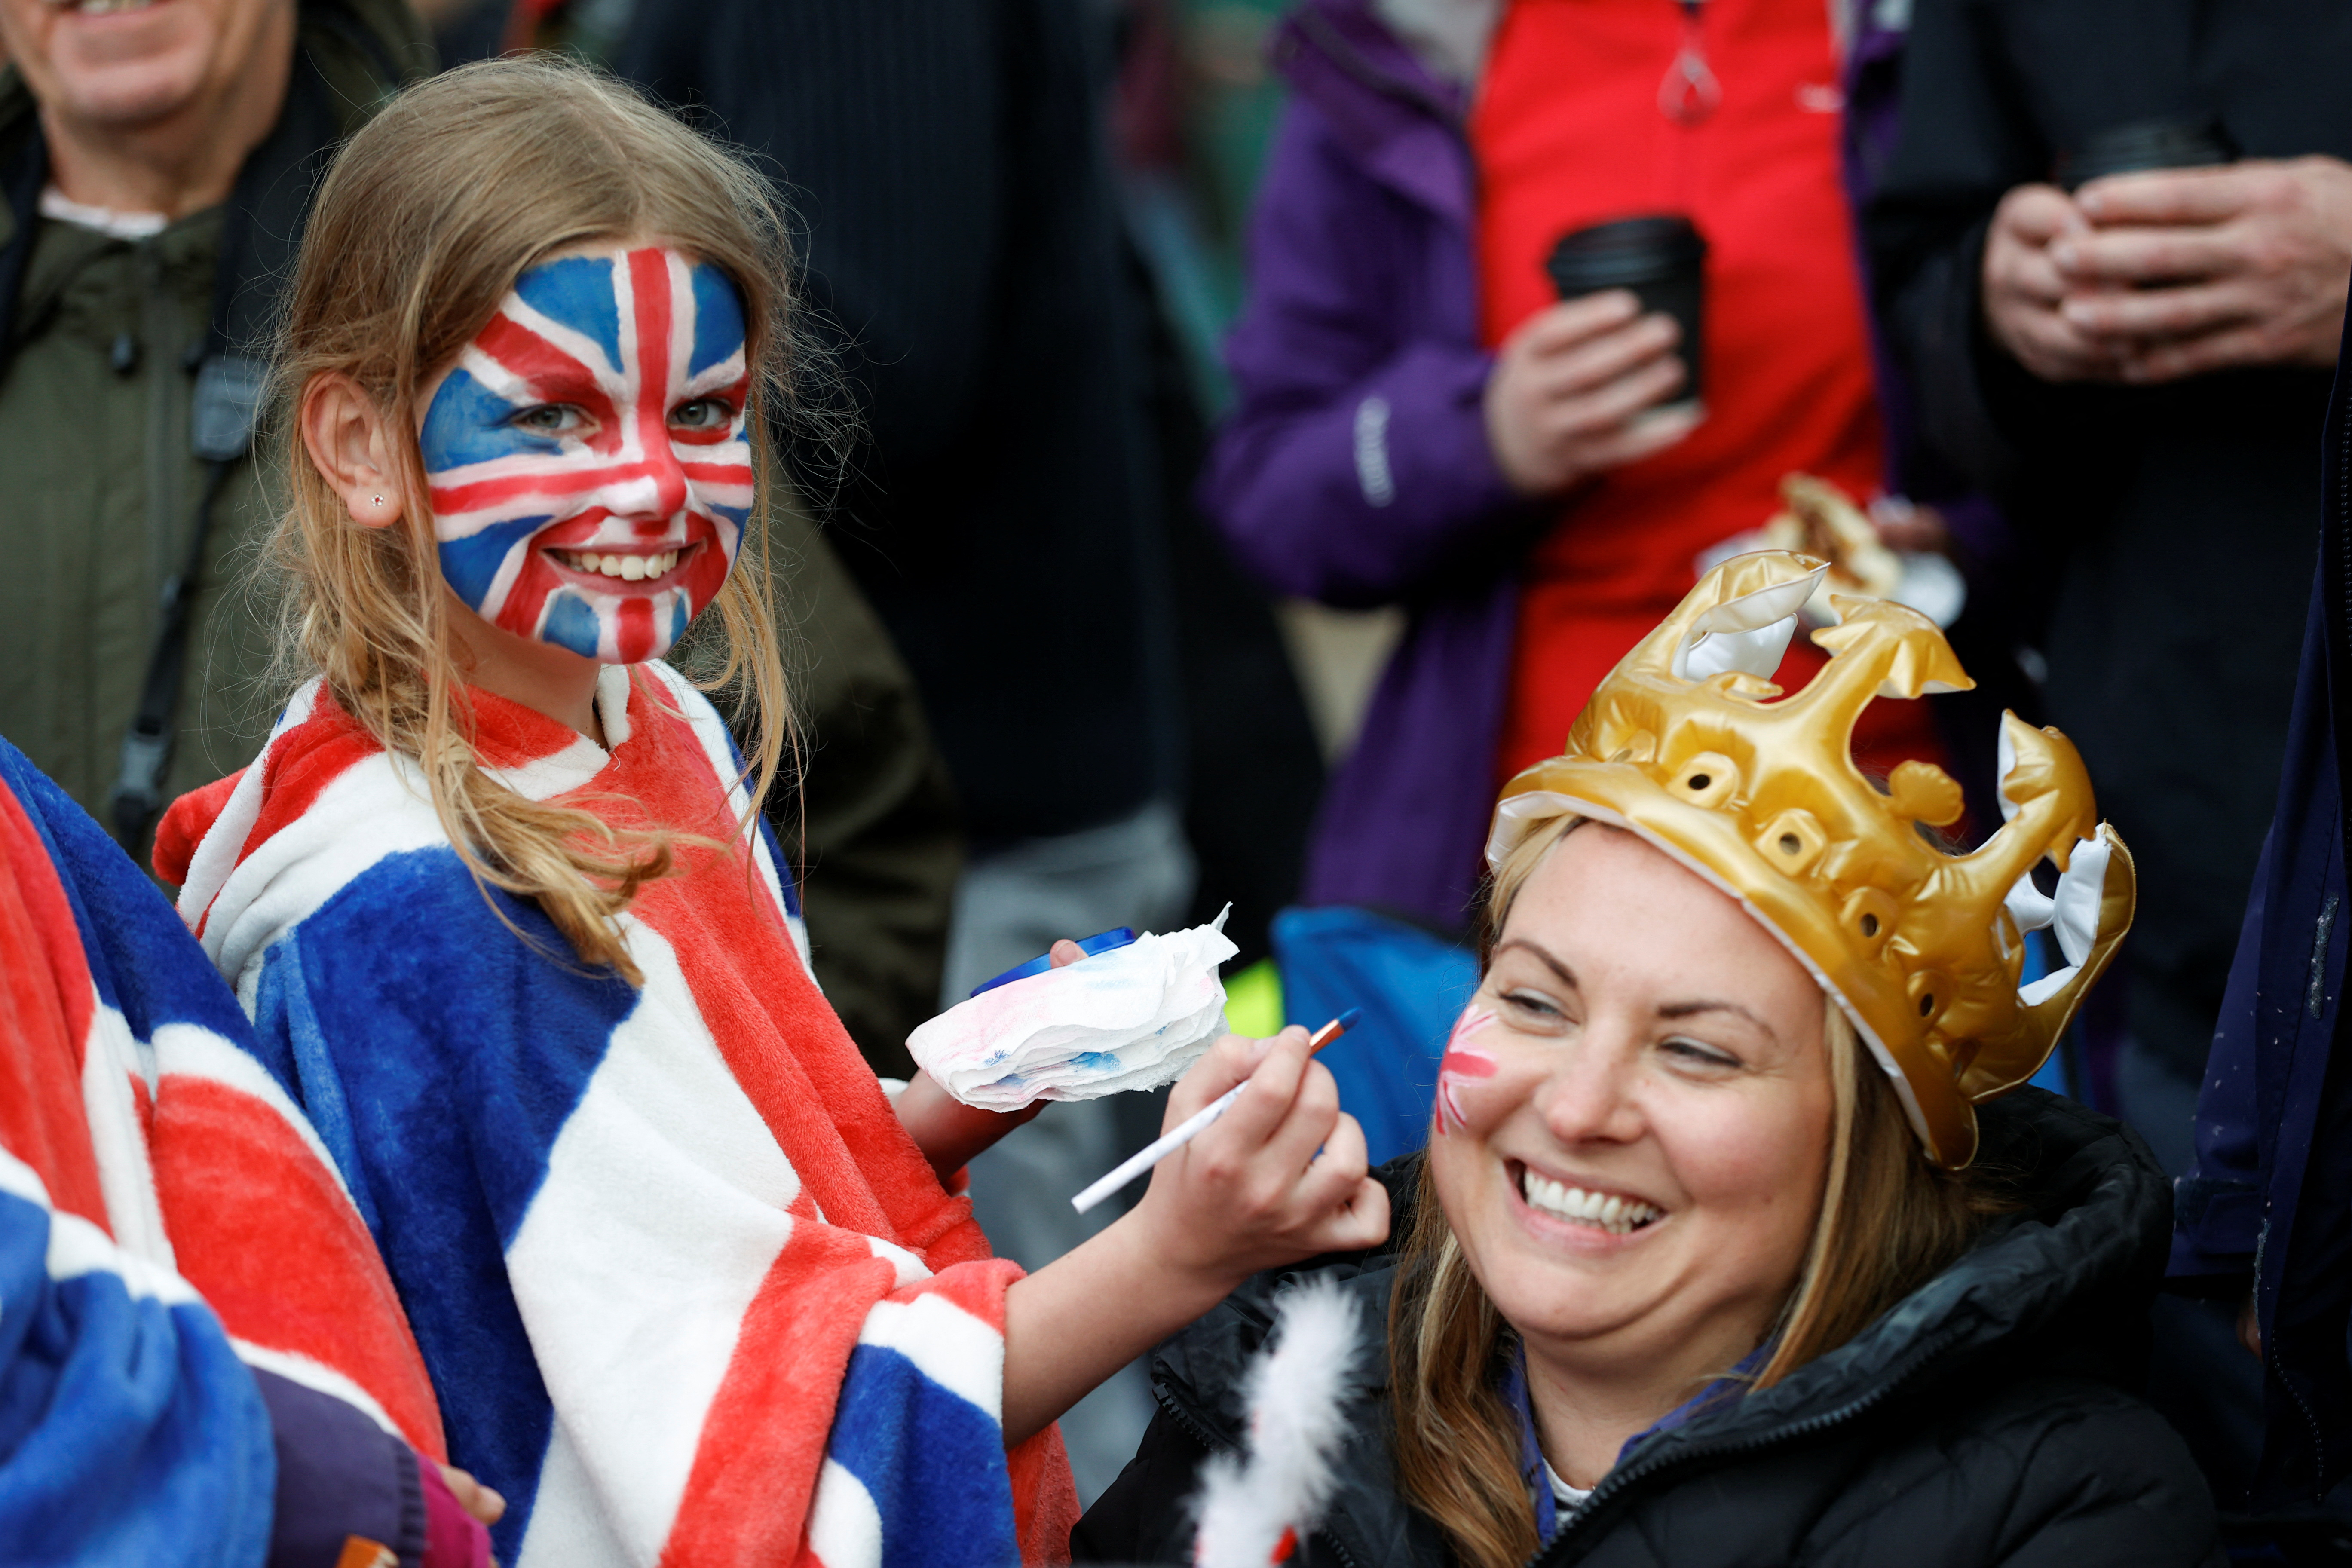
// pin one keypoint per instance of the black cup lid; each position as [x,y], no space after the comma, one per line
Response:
[1625,250]
[2142,145]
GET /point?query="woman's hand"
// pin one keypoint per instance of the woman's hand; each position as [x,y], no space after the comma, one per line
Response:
[1279,1177]
[951,1134]
[1576,392]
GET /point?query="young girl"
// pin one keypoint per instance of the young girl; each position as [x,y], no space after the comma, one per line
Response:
[498,900]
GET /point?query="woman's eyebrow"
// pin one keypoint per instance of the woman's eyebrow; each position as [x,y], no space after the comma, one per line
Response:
[1686,1009]
[1567,975]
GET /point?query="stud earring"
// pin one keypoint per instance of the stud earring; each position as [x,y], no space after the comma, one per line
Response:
[379,500]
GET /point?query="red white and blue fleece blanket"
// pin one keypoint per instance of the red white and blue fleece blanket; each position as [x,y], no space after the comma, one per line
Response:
[688,1290]
[145,1154]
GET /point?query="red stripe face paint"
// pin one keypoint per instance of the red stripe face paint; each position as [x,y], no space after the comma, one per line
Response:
[1465,1061]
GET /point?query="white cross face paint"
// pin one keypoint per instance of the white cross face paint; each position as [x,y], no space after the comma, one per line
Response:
[588,455]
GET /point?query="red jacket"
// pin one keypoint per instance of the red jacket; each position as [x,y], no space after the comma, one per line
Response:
[1568,130]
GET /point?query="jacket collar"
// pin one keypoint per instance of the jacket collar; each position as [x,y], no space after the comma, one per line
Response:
[1387,107]
[2056,1284]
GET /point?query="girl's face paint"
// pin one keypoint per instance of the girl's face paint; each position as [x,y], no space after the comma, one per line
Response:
[1465,1062]
[590,467]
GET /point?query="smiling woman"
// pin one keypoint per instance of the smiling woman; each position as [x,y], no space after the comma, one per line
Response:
[1736,1240]
[1679,1154]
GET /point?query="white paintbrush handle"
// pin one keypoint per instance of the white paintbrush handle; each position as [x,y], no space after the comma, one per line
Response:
[1151,1154]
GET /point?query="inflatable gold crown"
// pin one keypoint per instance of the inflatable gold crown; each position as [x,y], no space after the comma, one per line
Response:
[1922,948]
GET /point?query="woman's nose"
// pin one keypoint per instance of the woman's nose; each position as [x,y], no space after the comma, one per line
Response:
[1589,1096]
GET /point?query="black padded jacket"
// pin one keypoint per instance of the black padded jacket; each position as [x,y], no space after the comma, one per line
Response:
[1985,1419]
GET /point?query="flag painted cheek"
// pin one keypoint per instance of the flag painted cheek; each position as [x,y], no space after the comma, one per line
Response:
[589,463]
[1467,1062]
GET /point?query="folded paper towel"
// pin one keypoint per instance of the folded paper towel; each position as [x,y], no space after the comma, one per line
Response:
[1134,1017]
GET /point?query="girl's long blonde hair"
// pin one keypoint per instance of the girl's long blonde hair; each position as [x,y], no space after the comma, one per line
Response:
[1890,1220]
[421,227]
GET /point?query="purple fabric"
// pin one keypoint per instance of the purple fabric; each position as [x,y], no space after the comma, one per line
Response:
[339,1475]
[1874,84]
[1355,467]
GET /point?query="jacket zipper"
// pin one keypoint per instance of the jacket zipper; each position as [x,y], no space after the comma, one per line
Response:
[1199,1432]
[1618,1483]
[2339,563]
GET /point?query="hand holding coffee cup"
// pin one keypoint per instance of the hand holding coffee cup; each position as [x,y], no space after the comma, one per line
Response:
[2191,270]
[2025,295]
[1608,376]
[2161,258]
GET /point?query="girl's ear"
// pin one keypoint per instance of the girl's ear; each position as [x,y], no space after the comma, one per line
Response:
[354,446]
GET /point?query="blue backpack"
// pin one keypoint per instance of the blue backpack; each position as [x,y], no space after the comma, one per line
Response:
[1411,985]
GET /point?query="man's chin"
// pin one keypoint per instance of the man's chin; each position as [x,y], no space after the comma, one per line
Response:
[126,93]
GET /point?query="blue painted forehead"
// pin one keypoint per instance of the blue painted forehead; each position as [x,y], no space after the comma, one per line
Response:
[583,293]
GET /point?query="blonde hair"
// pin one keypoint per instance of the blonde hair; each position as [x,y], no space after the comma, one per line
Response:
[1889,1221]
[422,226]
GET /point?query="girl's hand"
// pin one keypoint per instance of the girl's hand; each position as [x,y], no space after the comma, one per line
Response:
[1576,392]
[951,1134]
[1280,1176]
[486,1505]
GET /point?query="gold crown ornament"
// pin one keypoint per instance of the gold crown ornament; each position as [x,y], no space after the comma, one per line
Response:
[1686,745]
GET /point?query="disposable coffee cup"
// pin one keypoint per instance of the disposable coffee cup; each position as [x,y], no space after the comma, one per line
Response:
[1660,258]
[2143,145]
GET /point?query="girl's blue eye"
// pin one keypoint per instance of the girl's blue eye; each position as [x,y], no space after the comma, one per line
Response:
[548,418]
[703,413]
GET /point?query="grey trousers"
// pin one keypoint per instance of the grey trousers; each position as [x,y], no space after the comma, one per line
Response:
[1012,905]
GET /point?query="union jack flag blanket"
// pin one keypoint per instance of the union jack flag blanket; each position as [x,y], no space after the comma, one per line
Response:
[147,1155]
[688,1291]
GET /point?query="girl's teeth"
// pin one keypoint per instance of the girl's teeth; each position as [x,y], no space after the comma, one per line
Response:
[628,568]
[1614,1214]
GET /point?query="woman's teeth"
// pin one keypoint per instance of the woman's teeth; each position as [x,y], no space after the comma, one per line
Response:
[627,568]
[101,8]
[1616,1215]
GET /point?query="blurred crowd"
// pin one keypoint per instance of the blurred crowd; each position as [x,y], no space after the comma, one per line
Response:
[1231,440]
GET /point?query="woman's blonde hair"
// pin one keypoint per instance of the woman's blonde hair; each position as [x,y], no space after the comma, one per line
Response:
[1889,1221]
[421,227]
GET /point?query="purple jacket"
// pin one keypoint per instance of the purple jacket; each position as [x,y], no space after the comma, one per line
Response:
[1355,467]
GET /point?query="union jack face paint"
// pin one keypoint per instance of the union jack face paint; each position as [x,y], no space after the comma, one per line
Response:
[1465,1061]
[590,468]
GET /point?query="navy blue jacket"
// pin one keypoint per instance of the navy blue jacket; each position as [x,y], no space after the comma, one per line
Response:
[2271,1196]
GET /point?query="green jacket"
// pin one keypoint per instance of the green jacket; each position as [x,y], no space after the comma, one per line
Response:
[98,508]
[97,395]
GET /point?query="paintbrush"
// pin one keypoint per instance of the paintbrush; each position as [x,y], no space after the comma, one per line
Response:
[1190,1127]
